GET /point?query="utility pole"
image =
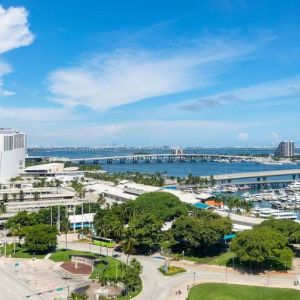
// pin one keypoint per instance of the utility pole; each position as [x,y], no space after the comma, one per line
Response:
[58,218]
[74,223]
[51,217]
[82,216]
[67,227]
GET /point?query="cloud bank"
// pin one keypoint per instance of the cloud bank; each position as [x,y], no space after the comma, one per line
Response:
[124,76]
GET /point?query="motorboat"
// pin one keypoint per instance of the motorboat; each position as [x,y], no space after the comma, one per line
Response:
[277,205]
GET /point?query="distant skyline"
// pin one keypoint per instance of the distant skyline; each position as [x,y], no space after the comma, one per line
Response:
[183,73]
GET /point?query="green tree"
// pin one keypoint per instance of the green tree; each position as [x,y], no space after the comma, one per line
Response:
[129,245]
[41,238]
[36,196]
[5,197]
[101,199]
[2,207]
[199,235]
[21,196]
[146,230]
[288,228]
[131,276]
[78,296]
[263,247]
[162,205]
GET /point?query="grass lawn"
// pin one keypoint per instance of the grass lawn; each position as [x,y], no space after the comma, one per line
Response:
[108,267]
[21,252]
[171,271]
[64,255]
[215,291]
[221,260]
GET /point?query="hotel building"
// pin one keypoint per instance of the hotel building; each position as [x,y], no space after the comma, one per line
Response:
[13,146]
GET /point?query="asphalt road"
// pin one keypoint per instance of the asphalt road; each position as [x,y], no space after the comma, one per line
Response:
[13,289]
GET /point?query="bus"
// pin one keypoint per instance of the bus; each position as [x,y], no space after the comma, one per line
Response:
[102,241]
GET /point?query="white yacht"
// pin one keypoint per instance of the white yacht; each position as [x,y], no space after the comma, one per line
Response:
[277,214]
[295,186]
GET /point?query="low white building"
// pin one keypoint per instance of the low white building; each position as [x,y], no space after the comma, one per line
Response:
[123,192]
[81,221]
[13,146]
[55,170]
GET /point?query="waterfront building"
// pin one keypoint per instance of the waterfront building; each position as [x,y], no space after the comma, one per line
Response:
[285,149]
[55,171]
[13,146]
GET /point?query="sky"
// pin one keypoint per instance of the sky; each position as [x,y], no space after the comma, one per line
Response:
[180,73]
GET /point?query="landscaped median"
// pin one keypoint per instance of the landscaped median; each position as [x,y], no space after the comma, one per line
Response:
[170,271]
[216,291]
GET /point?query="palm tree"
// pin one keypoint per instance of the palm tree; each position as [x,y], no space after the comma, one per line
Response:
[5,197]
[231,203]
[2,207]
[21,196]
[36,196]
[128,246]
[101,199]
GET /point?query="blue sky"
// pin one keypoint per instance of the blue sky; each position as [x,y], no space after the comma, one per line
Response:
[181,73]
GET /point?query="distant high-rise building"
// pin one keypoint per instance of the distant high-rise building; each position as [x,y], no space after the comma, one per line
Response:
[285,149]
[13,146]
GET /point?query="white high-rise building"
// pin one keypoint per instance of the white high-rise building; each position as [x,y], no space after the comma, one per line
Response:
[13,145]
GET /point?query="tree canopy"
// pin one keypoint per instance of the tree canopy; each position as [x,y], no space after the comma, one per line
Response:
[199,234]
[263,247]
[164,206]
[41,238]
[288,228]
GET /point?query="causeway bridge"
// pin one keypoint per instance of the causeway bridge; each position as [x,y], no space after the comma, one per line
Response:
[159,158]
[260,177]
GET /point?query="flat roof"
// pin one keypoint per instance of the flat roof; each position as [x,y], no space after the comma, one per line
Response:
[82,218]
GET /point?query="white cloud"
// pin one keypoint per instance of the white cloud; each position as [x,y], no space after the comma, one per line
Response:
[243,136]
[263,91]
[14,28]
[14,33]
[126,76]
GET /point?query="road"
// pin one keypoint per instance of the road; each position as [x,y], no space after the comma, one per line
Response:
[159,287]
[13,289]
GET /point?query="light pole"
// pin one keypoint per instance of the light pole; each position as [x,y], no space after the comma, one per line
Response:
[226,272]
